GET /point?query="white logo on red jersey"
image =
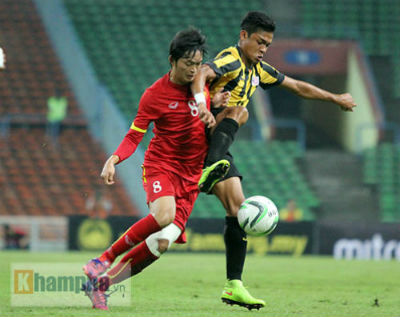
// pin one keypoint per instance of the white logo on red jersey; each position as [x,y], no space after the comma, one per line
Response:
[173,105]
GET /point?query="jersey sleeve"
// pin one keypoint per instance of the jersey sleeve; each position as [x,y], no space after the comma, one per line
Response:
[147,112]
[225,64]
[269,76]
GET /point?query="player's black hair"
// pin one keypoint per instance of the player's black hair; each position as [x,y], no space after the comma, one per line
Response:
[187,42]
[255,21]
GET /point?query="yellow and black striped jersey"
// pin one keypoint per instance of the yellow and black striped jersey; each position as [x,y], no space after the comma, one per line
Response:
[234,76]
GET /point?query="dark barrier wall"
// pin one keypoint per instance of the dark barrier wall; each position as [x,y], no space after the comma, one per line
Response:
[288,238]
[348,241]
[92,234]
[356,241]
[203,235]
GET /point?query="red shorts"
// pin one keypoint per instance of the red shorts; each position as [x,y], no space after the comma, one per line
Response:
[159,182]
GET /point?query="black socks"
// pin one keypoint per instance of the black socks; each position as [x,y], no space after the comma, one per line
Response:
[221,140]
[236,246]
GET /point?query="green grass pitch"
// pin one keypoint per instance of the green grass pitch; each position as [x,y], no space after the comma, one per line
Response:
[182,284]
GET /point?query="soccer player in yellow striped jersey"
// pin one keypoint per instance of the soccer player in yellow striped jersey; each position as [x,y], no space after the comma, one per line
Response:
[240,70]
[233,75]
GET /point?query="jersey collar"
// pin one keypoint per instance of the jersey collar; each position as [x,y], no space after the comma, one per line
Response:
[176,86]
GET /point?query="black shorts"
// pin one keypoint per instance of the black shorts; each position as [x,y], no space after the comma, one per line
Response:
[233,170]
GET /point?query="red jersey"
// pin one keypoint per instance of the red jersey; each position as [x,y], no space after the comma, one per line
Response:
[179,143]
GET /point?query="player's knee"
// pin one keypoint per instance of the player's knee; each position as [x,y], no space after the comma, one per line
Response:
[165,217]
[236,113]
[163,245]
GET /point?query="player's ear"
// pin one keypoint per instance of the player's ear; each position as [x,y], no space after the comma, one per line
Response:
[243,34]
[171,61]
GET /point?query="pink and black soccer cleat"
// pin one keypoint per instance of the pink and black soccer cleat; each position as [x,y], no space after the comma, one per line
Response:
[95,267]
[96,294]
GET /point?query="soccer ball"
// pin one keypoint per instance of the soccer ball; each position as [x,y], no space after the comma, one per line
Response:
[258,216]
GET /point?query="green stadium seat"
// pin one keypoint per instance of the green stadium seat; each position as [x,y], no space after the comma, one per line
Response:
[381,168]
[375,23]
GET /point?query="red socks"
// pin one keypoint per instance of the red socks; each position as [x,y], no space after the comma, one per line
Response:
[134,235]
[131,264]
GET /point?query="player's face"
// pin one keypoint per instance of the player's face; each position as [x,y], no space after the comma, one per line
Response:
[185,69]
[255,46]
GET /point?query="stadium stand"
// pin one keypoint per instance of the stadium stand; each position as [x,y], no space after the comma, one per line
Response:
[374,23]
[33,72]
[128,41]
[382,169]
[36,177]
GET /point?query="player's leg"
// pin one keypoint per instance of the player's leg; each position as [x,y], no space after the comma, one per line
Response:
[162,213]
[221,137]
[158,243]
[132,263]
[230,193]
[143,255]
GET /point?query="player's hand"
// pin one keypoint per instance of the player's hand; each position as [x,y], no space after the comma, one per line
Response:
[345,101]
[206,116]
[2,59]
[221,98]
[108,172]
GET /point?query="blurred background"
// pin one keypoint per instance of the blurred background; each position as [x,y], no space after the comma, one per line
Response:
[76,70]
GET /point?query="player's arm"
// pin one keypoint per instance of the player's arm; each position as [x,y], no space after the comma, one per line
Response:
[128,146]
[108,171]
[309,91]
[2,59]
[204,75]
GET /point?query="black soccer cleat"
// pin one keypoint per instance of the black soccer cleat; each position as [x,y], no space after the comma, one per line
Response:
[248,306]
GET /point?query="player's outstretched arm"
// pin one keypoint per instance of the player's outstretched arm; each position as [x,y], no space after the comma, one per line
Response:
[309,91]
[204,75]
[2,59]
[108,172]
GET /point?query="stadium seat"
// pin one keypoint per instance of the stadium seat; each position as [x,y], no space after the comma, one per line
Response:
[382,169]
[50,180]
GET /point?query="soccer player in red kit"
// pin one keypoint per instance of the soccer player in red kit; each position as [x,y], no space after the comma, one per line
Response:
[172,167]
